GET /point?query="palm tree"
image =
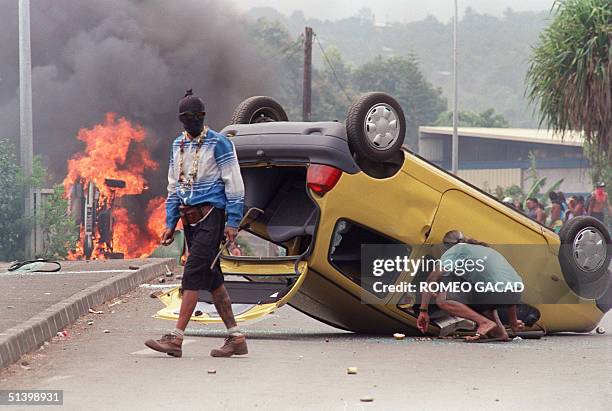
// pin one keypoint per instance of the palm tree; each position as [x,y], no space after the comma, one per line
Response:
[570,75]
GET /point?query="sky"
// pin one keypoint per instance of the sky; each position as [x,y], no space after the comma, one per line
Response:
[393,10]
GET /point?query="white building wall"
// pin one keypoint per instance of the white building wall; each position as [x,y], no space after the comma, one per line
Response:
[575,180]
[431,149]
[489,178]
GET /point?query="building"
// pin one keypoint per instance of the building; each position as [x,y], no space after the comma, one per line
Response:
[491,157]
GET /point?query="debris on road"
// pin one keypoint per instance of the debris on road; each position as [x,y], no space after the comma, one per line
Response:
[167,286]
[211,371]
[10,306]
[115,303]
[90,322]
[134,267]
[168,272]
[63,333]
[161,280]
[156,294]
[92,311]
[351,370]
[399,336]
[600,330]
[366,399]
[197,313]
[106,331]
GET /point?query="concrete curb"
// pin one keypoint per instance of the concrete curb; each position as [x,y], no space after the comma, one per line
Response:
[32,333]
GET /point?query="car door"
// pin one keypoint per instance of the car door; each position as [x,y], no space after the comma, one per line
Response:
[264,285]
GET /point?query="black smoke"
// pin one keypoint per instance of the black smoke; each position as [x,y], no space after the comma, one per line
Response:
[135,58]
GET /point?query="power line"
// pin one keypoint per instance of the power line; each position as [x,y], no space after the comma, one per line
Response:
[294,46]
[332,69]
[297,47]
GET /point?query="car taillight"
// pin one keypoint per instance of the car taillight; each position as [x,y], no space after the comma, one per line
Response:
[321,178]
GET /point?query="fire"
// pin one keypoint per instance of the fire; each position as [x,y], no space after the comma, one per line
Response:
[115,150]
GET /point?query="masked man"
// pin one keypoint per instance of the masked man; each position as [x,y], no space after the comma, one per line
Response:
[204,183]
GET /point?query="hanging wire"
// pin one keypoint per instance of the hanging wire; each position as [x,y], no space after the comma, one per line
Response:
[297,46]
[332,69]
[294,46]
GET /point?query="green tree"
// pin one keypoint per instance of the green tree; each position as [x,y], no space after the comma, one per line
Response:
[537,184]
[285,56]
[12,224]
[401,77]
[570,74]
[332,92]
[59,229]
[487,118]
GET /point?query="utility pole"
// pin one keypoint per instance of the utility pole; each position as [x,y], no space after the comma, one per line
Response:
[25,113]
[307,85]
[455,141]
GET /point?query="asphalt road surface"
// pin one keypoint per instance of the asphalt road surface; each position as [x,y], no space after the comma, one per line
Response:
[298,363]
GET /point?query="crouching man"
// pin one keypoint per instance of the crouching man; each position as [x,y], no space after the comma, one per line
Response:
[204,183]
[475,300]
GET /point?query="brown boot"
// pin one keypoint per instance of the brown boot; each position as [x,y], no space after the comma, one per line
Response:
[234,345]
[169,344]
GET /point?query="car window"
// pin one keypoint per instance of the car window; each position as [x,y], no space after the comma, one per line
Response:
[345,253]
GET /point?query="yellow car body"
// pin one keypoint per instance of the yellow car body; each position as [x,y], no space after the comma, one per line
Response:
[416,205]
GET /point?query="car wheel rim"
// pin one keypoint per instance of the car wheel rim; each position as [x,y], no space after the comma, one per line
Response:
[264,115]
[589,249]
[382,126]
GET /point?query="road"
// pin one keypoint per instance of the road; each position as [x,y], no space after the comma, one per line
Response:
[298,363]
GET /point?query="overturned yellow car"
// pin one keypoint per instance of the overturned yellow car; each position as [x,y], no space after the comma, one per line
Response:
[328,190]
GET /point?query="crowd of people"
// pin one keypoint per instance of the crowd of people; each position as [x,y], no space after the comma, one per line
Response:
[560,210]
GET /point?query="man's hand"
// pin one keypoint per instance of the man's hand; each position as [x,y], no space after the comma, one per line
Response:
[423,322]
[517,326]
[230,234]
[168,236]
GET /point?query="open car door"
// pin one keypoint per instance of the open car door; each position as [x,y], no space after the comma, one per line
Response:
[266,284]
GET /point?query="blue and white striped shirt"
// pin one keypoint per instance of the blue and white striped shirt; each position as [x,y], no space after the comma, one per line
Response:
[218,181]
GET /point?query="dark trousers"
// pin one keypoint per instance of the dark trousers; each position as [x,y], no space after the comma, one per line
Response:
[203,242]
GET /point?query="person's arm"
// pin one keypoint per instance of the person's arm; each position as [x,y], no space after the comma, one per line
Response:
[172,204]
[423,319]
[227,160]
[515,324]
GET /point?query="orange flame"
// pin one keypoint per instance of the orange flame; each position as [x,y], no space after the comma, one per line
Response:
[114,150]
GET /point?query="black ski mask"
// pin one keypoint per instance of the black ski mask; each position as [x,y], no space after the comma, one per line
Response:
[191,113]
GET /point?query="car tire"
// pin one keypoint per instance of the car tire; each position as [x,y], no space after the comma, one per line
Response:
[375,127]
[258,109]
[584,256]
